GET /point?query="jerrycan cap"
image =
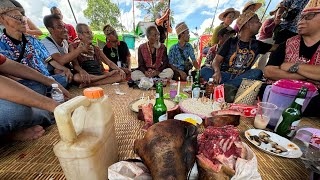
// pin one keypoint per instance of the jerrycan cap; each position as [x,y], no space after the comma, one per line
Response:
[93,92]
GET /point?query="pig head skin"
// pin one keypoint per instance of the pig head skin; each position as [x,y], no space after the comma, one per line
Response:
[168,149]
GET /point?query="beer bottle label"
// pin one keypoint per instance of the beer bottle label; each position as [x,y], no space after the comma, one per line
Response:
[293,128]
[299,101]
[157,95]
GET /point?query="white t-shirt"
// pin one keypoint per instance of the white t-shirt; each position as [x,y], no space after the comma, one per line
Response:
[54,48]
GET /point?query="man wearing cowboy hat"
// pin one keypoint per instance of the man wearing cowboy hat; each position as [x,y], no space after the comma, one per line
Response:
[57,45]
[268,26]
[228,16]
[26,49]
[117,51]
[249,6]
[290,11]
[180,53]
[237,55]
[299,57]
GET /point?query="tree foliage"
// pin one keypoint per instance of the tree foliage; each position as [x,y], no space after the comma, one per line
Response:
[155,9]
[102,12]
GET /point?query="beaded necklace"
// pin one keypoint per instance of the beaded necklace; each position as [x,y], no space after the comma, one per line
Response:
[29,59]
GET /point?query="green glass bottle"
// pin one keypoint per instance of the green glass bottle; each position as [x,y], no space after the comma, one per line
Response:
[159,107]
[291,116]
[196,82]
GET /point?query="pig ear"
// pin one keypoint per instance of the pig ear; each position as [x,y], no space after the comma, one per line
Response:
[190,130]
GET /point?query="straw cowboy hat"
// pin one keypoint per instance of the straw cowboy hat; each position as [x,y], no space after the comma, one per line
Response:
[257,5]
[244,18]
[181,27]
[7,6]
[312,6]
[229,10]
[275,10]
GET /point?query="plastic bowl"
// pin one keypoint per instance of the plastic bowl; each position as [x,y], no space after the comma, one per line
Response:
[183,116]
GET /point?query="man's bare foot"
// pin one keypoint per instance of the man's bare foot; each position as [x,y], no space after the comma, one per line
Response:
[28,134]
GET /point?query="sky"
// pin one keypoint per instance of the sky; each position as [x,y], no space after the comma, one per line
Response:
[195,13]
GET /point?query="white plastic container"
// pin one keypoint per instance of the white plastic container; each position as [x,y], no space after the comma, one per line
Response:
[88,143]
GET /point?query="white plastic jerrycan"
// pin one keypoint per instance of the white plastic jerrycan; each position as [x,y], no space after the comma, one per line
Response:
[88,143]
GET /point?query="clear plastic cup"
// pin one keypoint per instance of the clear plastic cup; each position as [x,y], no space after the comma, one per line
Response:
[302,139]
[263,115]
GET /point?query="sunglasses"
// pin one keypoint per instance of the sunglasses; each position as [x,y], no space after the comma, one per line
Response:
[308,16]
[18,18]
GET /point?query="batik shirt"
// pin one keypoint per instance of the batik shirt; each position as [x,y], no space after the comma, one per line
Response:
[34,56]
[297,6]
[175,57]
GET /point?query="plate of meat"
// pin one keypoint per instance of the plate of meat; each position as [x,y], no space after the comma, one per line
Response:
[273,143]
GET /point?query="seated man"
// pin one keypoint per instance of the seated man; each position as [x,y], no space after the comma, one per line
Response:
[27,121]
[299,57]
[72,35]
[237,55]
[57,45]
[25,49]
[152,58]
[223,35]
[117,51]
[89,65]
[227,18]
[180,53]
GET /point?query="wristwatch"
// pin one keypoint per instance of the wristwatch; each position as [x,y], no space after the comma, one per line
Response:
[294,68]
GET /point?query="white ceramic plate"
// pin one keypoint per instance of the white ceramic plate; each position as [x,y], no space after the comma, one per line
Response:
[134,105]
[293,150]
[183,116]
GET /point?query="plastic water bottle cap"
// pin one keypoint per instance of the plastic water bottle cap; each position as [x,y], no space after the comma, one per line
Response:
[54,85]
[93,92]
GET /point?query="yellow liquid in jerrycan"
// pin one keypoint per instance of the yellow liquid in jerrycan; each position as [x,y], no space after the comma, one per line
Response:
[88,144]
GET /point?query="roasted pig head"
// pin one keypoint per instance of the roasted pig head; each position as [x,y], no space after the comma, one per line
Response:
[168,149]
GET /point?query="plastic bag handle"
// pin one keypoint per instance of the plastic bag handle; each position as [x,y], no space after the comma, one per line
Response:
[62,114]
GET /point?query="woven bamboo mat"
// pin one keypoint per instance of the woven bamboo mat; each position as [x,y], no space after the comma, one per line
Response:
[36,160]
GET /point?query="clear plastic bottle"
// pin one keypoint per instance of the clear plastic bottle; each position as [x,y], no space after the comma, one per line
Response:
[189,81]
[57,94]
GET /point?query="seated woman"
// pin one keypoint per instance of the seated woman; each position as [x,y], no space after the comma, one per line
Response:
[89,65]
[152,58]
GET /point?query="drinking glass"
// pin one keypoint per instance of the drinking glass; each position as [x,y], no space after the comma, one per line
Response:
[263,115]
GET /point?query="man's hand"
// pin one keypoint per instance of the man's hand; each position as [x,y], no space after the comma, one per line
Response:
[126,70]
[122,74]
[65,92]
[183,75]
[155,73]
[85,76]
[68,74]
[277,21]
[285,66]
[84,48]
[108,74]
[217,77]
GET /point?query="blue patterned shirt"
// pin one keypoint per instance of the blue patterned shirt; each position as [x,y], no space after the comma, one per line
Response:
[293,4]
[175,57]
[34,56]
